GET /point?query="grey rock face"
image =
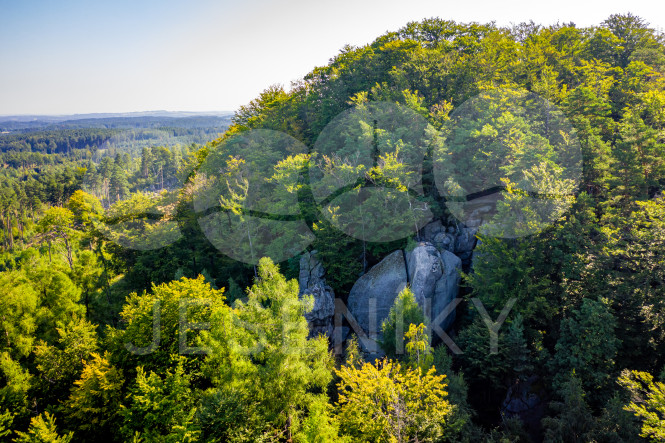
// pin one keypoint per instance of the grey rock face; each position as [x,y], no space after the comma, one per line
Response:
[425,269]
[432,275]
[447,288]
[465,240]
[431,269]
[312,282]
[434,279]
[526,400]
[460,240]
[431,230]
[374,293]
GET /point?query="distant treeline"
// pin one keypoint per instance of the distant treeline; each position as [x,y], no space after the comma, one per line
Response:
[206,121]
[66,141]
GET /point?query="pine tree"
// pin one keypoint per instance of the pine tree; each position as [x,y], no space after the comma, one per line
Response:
[588,346]
[405,311]
[516,350]
[43,430]
[265,370]
[647,403]
[573,422]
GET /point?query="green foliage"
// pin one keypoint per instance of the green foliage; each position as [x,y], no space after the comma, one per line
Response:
[58,299]
[43,430]
[404,312]
[320,426]
[352,354]
[503,269]
[6,420]
[16,382]
[18,304]
[615,424]
[647,403]
[418,350]
[93,406]
[150,341]
[87,274]
[459,425]
[160,410]
[635,245]
[142,221]
[340,254]
[587,345]
[85,207]
[265,370]
[55,226]
[384,402]
[517,353]
[82,227]
[479,364]
[59,365]
[573,422]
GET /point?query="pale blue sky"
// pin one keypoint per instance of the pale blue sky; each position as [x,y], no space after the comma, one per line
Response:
[79,56]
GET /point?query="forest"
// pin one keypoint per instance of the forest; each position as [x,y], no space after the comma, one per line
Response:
[455,233]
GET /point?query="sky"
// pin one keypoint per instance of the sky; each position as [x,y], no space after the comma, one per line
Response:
[83,56]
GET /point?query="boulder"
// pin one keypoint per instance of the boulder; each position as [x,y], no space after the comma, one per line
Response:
[425,269]
[434,279]
[312,282]
[465,241]
[374,293]
[432,275]
[444,241]
[447,288]
[459,239]
[526,400]
[431,230]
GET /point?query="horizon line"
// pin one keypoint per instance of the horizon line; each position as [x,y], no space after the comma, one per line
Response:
[114,112]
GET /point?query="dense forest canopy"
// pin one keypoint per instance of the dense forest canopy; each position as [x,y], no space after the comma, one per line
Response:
[149,291]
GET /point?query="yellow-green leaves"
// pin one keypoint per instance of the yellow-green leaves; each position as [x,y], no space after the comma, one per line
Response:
[384,402]
[647,403]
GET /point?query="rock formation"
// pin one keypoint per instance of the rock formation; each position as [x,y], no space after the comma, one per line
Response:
[526,400]
[434,279]
[432,275]
[431,269]
[373,294]
[458,239]
[312,281]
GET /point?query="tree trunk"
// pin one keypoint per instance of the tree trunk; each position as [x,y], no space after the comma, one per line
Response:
[9,232]
[4,240]
[70,258]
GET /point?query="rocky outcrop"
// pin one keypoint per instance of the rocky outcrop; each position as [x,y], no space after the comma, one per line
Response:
[458,239]
[312,281]
[526,400]
[434,279]
[432,275]
[447,288]
[373,294]
[431,269]
[425,269]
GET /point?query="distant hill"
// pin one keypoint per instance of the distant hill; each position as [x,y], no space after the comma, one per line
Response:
[96,135]
[147,119]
